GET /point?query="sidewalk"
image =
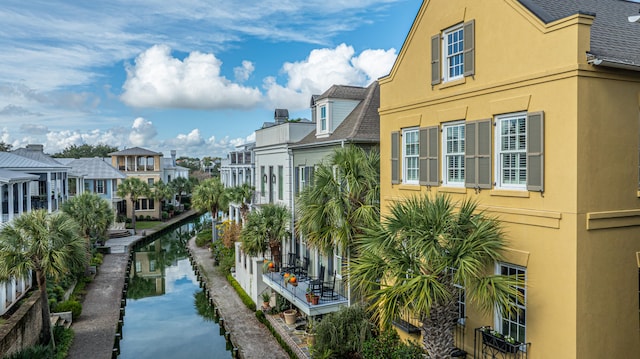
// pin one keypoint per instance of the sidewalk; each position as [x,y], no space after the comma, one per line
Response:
[252,338]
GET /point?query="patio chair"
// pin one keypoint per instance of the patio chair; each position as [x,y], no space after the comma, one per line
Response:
[315,284]
[290,267]
[328,289]
[302,271]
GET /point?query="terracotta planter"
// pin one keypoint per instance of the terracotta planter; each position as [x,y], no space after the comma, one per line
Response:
[290,316]
[315,299]
[308,296]
[311,339]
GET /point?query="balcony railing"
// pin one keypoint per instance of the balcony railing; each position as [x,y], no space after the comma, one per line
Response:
[296,294]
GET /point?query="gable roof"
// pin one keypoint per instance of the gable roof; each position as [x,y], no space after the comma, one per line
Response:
[35,153]
[361,125]
[135,151]
[10,160]
[95,168]
[613,38]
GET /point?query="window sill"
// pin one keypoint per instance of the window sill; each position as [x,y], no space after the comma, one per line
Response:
[462,190]
[509,193]
[452,83]
[409,187]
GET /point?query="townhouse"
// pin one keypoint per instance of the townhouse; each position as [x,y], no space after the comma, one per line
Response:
[532,108]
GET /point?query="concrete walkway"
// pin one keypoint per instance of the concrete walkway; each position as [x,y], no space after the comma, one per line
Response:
[251,337]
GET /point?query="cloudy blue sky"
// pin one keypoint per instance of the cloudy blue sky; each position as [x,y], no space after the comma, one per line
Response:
[198,76]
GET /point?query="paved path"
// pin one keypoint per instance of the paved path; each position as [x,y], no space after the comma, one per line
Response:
[252,338]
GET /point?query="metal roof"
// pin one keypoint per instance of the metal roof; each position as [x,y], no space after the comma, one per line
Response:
[135,151]
[95,168]
[7,176]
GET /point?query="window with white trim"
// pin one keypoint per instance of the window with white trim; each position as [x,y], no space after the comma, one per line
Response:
[152,265]
[511,151]
[138,266]
[453,53]
[514,323]
[337,260]
[453,154]
[323,118]
[101,186]
[410,155]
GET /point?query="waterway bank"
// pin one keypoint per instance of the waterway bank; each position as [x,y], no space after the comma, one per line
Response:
[251,337]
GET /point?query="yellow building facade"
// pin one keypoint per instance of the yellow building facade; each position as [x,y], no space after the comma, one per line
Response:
[526,118]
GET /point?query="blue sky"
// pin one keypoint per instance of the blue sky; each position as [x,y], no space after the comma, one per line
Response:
[197,76]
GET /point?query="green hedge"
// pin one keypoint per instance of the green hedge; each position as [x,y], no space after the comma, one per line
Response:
[263,319]
[72,306]
[243,295]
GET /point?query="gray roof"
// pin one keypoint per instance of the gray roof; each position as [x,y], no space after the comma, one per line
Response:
[361,125]
[36,154]
[343,92]
[95,168]
[10,160]
[135,151]
[613,37]
[16,176]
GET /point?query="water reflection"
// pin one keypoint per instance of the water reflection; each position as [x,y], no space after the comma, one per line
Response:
[167,314]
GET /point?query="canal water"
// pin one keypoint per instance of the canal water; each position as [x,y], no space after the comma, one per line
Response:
[167,313]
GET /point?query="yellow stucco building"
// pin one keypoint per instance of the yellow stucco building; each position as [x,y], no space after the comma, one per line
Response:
[532,108]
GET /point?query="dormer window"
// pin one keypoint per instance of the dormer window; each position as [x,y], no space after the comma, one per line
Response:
[323,118]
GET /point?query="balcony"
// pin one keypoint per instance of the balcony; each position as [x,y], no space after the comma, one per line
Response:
[297,295]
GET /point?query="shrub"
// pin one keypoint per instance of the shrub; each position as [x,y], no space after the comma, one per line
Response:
[165,215]
[389,346]
[343,332]
[34,352]
[97,259]
[72,306]
[147,217]
[128,221]
[64,339]
[203,238]
[262,319]
[243,295]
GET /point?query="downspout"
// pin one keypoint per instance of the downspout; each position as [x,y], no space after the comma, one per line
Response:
[292,202]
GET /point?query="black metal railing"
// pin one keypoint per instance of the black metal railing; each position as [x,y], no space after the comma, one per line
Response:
[487,343]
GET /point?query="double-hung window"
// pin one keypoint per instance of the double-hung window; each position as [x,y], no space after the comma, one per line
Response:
[453,154]
[410,155]
[323,118]
[511,149]
[280,183]
[100,186]
[452,47]
[514,323]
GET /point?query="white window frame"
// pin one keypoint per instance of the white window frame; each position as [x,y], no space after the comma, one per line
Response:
[412,134]
[138,266]
[337,261]
[302,181]
[455,57]
[521,308]
[519,141]
[101,186]
[324,120]
[459,127]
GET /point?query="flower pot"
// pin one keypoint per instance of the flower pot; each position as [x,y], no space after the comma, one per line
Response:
[311,339]
[308,296]
[290,316]
[315,299]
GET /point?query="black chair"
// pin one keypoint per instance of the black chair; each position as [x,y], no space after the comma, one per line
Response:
[302,271]
[290,267]
[328,289]
[315,284]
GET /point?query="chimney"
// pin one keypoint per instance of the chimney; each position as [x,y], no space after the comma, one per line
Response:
[35,148]
[173,158]
[281,115]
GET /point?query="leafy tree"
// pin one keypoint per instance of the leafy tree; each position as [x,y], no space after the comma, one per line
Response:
[192,163]
[343,333]
[5,147]
[133,188]
[86,150]
[181,186]
[413,259]
[48,245]
[211,196]
[344,199]
[266,228]
[243,194]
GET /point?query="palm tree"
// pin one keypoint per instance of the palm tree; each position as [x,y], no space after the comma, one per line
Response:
[344,199]
[134,188]
[162,191]
[417,258]
[181,185]
[243,194]
[211,196]
[265,229]
[47,244]
[93,214]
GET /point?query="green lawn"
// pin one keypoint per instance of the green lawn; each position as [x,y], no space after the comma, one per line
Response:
[148,224]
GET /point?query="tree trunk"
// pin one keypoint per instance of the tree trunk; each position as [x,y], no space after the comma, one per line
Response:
[133,216]
[274,246]
[47,330]
[438,330]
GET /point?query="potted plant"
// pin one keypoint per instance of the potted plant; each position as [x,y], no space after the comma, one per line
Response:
[268,266]
[290,316]
[315,299]
[266,297]
[308,294]
[311,333]
[293,280]
[496,340]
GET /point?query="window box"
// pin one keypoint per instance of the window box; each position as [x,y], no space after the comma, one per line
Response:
[497,341]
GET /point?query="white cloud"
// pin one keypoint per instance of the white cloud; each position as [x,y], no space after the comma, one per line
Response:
[243,72]
[324,68]
[160,80]
[142,132]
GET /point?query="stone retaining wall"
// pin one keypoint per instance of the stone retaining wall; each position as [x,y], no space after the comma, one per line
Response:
[23,328]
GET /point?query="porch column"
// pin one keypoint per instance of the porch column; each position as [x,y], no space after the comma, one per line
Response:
[49,200]
[3,297]
[10,200]
[20,198]
[1,200]
[28,196]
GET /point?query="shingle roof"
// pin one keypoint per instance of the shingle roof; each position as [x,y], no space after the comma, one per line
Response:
[344,92]
[95,168]
[361,125]
[613,37]
[135,151]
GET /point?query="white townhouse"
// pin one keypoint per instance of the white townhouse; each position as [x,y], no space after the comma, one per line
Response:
[237,169]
